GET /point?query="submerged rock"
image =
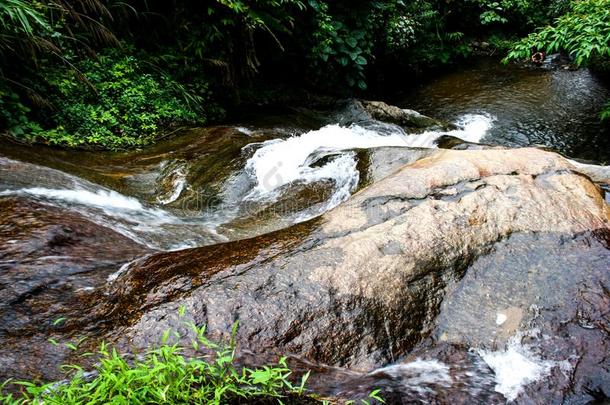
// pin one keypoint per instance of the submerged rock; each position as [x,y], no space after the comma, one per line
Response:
[451,142]
[373,113]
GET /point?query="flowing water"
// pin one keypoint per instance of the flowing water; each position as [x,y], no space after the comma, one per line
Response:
[557,108]
[225,183]
[244,183]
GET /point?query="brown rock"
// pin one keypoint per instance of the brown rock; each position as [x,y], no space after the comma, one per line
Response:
[406,118]
[371,282]
[52,264]
[363,283]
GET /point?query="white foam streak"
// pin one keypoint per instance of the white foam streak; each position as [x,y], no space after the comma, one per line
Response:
[419,375]
[178,181]
[114,276]
[125,215]
[100,198]
[244,130]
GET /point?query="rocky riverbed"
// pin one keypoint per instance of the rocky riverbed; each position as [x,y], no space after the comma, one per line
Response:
[472,274]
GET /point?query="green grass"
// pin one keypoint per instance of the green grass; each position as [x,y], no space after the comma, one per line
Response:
[164,375]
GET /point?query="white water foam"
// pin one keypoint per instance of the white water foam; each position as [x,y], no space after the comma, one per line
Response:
[518,365]
[126,215]
[419,375]
[244,130]
[108,199]
[277,163]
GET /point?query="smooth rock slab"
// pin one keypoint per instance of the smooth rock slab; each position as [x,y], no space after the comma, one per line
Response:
[363,284]
[52,265]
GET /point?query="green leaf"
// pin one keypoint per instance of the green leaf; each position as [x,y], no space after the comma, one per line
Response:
[361,60]
[58,321]
[70,346]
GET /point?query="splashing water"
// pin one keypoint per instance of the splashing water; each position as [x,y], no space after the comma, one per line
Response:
[325,155]
[278,163]
[518,365]
[419,375]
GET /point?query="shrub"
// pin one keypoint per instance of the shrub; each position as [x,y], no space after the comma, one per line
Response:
[342,42]
[113,102]
[584,33]
[164,376]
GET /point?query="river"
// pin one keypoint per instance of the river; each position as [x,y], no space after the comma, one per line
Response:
[214,185]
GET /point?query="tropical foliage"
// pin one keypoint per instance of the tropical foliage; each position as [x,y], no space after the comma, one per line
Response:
[165,376]
[584,33]
[122,103]
[120,73]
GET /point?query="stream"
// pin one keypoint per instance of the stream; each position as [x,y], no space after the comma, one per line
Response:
[222,184]
[554,108]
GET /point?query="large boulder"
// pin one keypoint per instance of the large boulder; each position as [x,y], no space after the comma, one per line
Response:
[364,283]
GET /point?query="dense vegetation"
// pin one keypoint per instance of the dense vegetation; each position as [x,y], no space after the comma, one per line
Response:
[119,73]
[583,33]
[165,376]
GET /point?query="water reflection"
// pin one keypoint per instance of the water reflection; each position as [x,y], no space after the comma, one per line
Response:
[555,108]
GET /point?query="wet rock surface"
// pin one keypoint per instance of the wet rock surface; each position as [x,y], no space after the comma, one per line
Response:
[402,287]
[378,110]
[370,113]
[539,297]
[444,374]
[597,173]
[52,263]
[202,158]
[451,142]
